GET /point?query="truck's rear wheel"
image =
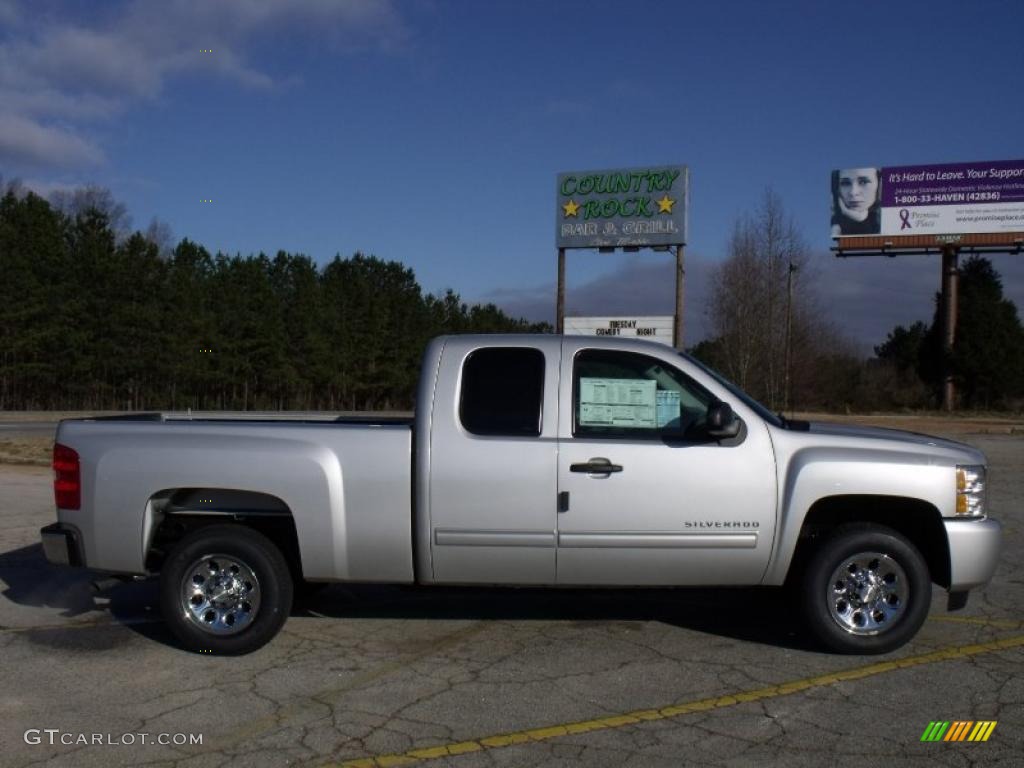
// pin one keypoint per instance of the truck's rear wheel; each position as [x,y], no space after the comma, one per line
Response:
[866,589]
[225,589]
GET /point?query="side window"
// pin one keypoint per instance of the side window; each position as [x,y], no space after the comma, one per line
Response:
[622,394]
[501,393]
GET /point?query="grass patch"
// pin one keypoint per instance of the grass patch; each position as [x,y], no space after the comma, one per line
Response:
[31,450]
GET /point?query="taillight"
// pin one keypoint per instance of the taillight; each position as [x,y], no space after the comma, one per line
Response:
[67,478]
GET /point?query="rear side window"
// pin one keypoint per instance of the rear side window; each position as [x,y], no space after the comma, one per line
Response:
[502,390]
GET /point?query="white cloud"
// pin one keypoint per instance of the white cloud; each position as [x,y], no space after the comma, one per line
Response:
[27,143]
[78,69]
[51,103]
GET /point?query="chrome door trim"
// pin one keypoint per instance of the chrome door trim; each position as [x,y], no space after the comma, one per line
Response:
[652,540]
[476,538]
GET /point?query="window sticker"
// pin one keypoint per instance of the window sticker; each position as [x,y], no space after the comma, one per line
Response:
[618,403]
[668,408]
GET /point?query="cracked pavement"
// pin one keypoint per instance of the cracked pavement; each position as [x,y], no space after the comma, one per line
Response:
[373,673]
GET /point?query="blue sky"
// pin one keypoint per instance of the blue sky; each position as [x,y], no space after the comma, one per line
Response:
[430,132]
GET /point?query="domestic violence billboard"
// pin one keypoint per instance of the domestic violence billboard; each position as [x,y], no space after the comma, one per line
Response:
[954,199]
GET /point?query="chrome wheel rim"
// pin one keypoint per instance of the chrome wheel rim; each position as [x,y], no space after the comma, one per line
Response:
[220,594]
[867,593]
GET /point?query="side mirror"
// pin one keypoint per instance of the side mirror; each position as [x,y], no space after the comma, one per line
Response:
[722,422]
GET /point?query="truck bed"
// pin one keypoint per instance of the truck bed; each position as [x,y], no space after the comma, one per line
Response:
[346,483]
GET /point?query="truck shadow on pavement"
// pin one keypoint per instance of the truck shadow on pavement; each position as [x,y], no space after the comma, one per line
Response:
[73,614]
[760,615]
[76,615]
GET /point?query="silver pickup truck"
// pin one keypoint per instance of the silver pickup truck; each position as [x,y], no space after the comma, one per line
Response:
[532,460]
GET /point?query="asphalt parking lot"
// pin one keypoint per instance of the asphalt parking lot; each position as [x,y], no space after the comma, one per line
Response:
[401,676]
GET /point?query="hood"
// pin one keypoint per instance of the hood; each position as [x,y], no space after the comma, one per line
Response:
[898,437]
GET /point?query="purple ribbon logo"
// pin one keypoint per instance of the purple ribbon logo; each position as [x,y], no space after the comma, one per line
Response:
[905,219]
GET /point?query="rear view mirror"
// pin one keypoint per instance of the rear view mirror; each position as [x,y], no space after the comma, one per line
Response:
[722,422]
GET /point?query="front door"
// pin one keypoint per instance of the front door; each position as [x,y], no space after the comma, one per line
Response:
[651,498]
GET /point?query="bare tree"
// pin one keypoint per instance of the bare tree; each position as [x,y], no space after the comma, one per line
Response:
[159,233]
[737,307]
[72,202]
[748,301]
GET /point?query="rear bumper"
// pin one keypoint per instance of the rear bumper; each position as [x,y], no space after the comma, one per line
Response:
[973,552]
[62,545]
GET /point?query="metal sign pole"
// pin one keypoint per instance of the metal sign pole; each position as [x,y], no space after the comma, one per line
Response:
[560,301]
[677,331]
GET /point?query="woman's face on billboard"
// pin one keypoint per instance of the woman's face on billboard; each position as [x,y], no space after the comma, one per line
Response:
[858,191]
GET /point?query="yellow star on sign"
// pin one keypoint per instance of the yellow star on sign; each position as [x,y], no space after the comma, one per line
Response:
[665,204]
[571,208]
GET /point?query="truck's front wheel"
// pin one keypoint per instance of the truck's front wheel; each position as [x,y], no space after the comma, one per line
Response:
[225,589]
[866,589]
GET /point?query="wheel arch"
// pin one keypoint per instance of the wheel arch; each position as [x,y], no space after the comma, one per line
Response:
[173,513]
[917,520]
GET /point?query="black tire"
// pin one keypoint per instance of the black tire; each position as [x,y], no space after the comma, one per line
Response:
[248,575]
[880,598]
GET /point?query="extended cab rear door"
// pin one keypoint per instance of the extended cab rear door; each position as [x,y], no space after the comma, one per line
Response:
[493,461]
[647,496]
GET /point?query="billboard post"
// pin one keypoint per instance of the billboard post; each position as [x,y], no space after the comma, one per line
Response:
[950,275]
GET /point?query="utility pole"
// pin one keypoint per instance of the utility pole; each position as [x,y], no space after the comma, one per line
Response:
[677,329]
[789,335]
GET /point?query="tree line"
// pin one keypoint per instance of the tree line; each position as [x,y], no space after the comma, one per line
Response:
[94,316]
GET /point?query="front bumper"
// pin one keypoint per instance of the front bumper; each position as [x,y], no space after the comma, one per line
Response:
[973,552]
[62,545]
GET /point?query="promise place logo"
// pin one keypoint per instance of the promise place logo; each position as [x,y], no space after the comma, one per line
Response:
[959,730]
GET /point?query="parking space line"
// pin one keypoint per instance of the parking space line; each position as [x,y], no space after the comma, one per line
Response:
[948,653]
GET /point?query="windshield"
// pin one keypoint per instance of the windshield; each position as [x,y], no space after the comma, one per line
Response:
[764,413]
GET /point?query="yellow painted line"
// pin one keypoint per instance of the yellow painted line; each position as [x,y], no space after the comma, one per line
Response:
[998,623]
[949,653]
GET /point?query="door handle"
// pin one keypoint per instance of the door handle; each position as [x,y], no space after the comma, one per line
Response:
[596,467]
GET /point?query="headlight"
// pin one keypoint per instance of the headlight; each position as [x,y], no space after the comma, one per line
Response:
[970,490]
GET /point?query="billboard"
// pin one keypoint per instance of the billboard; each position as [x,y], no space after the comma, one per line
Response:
[650,328]
[953,199]
[622,208]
